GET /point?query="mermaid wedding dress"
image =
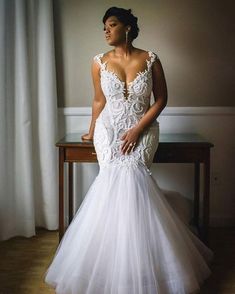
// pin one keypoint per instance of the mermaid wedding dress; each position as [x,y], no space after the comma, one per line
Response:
[125,238]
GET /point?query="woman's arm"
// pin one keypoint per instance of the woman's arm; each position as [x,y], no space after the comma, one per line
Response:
[160,97]
[98,101]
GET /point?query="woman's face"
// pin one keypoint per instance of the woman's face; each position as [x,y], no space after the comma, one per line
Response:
[115,31]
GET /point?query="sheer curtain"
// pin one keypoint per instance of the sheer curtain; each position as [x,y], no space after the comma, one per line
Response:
[28,118]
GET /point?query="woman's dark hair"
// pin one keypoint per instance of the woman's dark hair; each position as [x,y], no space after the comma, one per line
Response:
[126,17]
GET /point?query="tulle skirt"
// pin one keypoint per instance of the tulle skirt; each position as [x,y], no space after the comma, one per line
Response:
[126,239]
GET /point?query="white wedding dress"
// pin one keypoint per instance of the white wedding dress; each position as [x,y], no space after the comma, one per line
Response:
[125,238]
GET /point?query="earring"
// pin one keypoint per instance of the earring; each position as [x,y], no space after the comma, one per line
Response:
[126,37]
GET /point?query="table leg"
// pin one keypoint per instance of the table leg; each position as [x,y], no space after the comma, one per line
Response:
[70,179]
[61,192]
[206,198]
[196,193]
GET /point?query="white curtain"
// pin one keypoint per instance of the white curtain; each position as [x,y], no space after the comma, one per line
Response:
[28,118]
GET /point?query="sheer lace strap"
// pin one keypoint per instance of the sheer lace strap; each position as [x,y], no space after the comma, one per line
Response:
[97,58]
[153,56]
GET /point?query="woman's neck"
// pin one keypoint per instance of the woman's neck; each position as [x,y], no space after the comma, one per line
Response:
[123,50]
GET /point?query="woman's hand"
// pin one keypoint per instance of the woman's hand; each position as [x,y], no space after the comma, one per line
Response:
[87,137]
[130,137]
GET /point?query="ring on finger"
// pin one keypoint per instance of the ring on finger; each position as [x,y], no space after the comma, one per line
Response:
[131,145]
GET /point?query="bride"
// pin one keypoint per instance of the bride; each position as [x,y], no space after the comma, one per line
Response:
[125,238]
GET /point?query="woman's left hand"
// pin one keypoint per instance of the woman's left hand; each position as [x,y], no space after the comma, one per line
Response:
[130,137]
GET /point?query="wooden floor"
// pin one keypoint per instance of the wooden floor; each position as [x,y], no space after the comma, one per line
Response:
[23,262]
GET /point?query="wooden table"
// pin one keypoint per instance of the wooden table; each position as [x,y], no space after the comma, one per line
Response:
[172,148]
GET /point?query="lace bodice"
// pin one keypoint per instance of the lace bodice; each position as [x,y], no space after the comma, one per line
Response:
[122,113]
[112,86]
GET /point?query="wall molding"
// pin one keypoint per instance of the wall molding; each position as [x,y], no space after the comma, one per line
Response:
[168,111]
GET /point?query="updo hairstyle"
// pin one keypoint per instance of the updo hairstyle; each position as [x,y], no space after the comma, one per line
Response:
[126,17]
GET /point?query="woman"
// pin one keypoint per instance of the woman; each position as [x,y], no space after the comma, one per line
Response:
[125,238]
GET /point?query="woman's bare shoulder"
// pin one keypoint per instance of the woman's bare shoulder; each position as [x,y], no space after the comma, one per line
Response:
[141,51]
[107,55]
[146,53]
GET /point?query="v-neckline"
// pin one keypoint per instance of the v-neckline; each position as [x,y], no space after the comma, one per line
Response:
[124,84]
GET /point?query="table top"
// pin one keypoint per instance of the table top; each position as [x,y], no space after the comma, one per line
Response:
[75,140]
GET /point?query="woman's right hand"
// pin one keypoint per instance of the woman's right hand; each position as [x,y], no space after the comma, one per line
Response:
[87,137]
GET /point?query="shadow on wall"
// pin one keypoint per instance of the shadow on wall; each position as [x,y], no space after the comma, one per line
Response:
[182,206]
